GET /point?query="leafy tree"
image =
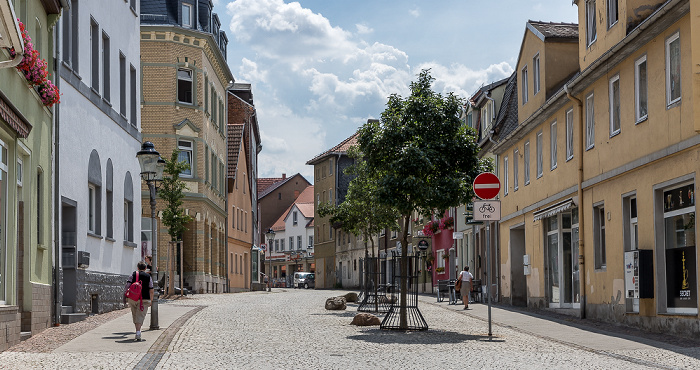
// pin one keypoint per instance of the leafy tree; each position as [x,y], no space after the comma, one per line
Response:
[420,158]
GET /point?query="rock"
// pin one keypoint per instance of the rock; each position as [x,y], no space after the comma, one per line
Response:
[365,319]
[351,297]
[336,303]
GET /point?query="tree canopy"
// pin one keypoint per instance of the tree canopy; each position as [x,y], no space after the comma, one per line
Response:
[172,191]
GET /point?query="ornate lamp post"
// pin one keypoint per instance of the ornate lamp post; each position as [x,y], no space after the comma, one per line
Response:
[152,166]
[270,235]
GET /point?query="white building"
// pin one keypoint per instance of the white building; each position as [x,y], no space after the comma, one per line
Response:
[98,135]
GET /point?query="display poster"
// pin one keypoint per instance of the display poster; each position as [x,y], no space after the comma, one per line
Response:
[632,274]
[679,198]
[681,277]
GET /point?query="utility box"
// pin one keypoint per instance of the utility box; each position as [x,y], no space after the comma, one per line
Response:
[83,259]
[639,274]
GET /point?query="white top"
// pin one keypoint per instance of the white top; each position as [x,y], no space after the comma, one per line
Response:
[466,276]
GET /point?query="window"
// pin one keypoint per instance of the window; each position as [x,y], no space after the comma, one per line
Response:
[92,205]
[213,108]
[591,33]
[134,107]
[590,123]
[612,13]
[233,217]
[40,206]
[640,89]
[281,245]
[523,80]
[128,208]
[615,105]
[526,162]
[311,241]
[505,175]
[185,155]
[277,245]
[213,170]
[330,167]
[441,258]
[536,74]
[599,235]
[516,154]
[3,219]
[631,231]
[94,201]
[187,15]
[673,69]
[122,84]
[95,54]
[294,217]
[70,36]
[206,94]
[330,196]
[105,67]
[299,242]
[184,86]
[569,134]
[540,161]
[553,145]
[291,243]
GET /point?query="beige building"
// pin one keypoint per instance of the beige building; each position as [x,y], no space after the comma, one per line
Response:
[185,77]
[598,202]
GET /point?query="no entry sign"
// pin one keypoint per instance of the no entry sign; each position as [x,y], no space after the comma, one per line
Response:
[487,185]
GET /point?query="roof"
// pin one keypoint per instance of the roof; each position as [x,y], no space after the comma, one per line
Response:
[234,141]
[266,182]
[551,30]
[341,148]
[507,119]
[277,184]
[305,204]
[475,98]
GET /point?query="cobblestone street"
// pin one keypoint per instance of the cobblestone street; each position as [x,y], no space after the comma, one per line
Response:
[290,329]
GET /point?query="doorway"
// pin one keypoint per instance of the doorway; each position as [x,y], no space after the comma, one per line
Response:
[518,283]
[562,252]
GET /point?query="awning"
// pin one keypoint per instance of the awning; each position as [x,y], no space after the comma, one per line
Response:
[10,36]
[555,208]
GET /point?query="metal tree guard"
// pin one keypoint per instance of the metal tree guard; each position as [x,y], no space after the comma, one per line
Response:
[414,318]
[374,297]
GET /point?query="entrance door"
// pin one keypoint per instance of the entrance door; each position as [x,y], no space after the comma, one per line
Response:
[562,260]
[517,270]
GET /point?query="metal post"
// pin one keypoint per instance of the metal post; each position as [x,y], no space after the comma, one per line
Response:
[488,270]
[154,251]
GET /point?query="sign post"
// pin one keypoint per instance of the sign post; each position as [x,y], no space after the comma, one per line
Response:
[486,187]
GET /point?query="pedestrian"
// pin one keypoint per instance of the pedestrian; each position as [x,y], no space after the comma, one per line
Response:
[149,262]
[467,279]
[139,308]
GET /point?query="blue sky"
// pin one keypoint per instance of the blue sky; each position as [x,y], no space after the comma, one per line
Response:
[320,68]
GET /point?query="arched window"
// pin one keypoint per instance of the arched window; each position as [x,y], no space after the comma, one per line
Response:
[94,219]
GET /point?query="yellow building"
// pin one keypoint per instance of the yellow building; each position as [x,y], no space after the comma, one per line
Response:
[611,151]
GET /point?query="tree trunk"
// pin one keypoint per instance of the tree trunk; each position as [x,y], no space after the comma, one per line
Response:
[171,267]
[403,320]
[182,268]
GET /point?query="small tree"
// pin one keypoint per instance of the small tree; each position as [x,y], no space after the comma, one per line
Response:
[172,191]
[421,159]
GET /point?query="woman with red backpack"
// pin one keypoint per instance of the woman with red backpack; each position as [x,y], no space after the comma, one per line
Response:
[138,298]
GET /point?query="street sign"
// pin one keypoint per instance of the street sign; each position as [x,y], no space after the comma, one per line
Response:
[486,185]
[457,235]
[422,245]
[487,210]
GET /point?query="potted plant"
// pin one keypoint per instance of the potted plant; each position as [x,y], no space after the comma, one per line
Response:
[440,270]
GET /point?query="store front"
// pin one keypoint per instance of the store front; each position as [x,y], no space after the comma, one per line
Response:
[561,255]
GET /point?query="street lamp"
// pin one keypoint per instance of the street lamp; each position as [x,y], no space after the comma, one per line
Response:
[152,166]
[270,235]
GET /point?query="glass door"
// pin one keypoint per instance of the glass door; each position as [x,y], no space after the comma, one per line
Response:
[3,223]
[563,250]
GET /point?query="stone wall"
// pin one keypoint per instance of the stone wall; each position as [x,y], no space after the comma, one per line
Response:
[108,288]
[9,326]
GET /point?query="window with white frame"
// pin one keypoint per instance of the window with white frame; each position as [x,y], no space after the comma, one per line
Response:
[640,89]
[526,162]
[591,33]
[614,91]
[590,122]
[599,235]
[184,86]
[187,15]
[612,12]
[631,232]
[122,84]
[569,134]
[185,155]
[291,243]
[441,258]
[311,241]
[536,74]
[516,154]
[294,218]
[673,69]
[553,145]
[540,159]
[281,245]
[299,246]
[92,208]
[523,81]
[505,175]
[277,245]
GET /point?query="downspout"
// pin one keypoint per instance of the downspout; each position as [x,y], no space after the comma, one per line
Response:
[582,267]
[496,225]
[57,192]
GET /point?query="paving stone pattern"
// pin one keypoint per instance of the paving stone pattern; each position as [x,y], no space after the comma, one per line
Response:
[290,329]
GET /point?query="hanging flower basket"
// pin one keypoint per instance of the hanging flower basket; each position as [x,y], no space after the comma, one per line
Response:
[35,70]
[48,92]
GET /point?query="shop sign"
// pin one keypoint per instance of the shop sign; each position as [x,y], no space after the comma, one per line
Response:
[681,285]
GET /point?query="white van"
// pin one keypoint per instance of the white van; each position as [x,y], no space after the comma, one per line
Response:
[304,280]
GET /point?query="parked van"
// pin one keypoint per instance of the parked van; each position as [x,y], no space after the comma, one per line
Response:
[304,280]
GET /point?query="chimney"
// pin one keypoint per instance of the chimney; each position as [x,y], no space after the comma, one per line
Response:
[284,176]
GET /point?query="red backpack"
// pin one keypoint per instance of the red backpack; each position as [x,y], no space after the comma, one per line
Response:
[134,291]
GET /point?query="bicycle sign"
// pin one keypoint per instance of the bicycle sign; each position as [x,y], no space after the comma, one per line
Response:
[487,210]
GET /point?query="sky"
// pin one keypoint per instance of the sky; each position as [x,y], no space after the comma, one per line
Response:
[320,68]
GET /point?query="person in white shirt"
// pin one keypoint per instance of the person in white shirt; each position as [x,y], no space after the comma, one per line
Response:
[467,279]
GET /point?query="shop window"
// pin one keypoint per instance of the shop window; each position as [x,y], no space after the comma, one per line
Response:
[599,236]
[631,230]
[680,249]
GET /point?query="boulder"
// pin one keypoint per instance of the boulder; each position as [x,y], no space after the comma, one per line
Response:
[365,319]
[351,297]
[336,303]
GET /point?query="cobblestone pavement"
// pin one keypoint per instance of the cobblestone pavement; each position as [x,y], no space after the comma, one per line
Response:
[290,329]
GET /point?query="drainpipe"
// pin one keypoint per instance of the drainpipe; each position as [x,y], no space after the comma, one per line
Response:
[582,267]
[57,193]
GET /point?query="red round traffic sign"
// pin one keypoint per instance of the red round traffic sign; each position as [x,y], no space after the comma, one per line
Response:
[487,185]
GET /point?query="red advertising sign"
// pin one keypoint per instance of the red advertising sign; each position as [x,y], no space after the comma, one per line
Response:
[487,185]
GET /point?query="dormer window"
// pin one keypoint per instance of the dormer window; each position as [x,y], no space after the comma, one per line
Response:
[523,77]
[187,15]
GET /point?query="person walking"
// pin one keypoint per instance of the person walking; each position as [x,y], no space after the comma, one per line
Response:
[139,308]
[466,277]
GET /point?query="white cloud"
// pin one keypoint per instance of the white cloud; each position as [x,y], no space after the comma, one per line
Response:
[250,72]
[363,29]
[415,12]
[463,80]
